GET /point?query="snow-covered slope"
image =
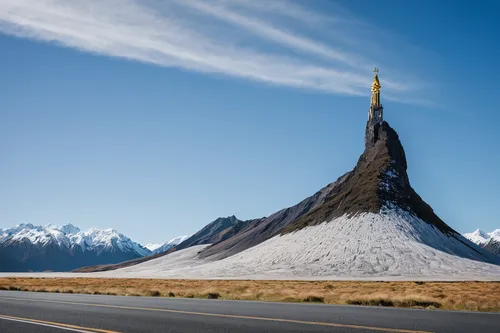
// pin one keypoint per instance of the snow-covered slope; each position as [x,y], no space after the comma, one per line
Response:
[170,244]
[392,244]
[30,247]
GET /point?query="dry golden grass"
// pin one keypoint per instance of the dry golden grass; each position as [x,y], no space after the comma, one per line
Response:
[475,296]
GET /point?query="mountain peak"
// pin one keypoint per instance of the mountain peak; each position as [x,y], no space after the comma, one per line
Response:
[231,219]
[69,229]
[168,245]
[481,237]
[487,240]
[24,226]
[481,233]
[495,234]
[152,246]
[378,182]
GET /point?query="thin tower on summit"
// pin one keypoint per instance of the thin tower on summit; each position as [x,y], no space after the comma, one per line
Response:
[376,111]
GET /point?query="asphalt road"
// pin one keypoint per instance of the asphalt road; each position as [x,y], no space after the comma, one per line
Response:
[47,312]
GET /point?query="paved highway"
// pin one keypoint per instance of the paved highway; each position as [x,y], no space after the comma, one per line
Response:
[47,312]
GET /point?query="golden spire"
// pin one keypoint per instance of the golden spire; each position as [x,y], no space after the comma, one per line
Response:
[375,89]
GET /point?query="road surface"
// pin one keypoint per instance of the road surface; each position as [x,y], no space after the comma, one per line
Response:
[48,312]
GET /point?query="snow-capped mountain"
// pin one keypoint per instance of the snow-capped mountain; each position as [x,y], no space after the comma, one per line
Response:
[152,246]
[29,247]
[487,240]
[170,244]
[480,237]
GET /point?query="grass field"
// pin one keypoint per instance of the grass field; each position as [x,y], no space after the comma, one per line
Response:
[472,296]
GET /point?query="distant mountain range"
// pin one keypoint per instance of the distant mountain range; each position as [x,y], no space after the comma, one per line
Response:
[27,247]
[487,240]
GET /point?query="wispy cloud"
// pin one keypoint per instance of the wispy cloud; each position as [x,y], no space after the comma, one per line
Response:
[277,42]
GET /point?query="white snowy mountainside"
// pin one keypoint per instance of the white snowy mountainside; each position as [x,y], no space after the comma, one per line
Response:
[169,244]
[29,247]
[390,245]
[480,237]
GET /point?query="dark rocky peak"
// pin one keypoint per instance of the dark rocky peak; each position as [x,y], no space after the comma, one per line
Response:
[224,222]
[384,159]
[394,185]
[216,231]
[378,180]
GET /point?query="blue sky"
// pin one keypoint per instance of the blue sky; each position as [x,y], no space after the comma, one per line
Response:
[156,117]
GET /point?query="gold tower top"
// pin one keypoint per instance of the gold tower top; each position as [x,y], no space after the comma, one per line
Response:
[375,89]
[376,83]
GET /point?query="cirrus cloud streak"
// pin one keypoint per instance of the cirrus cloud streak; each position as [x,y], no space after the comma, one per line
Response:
[282,44]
